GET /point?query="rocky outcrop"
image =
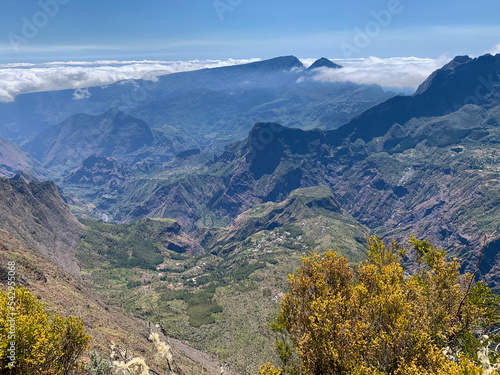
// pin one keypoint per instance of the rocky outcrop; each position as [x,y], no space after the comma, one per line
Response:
[100,171]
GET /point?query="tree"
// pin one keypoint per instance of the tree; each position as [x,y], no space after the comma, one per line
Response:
[378,319]
[43,343]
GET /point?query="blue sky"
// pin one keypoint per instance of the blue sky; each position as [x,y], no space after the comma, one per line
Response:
[65,30]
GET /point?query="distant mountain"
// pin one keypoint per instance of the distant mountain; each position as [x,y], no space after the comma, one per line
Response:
[110,134]
[14,160]
[278,64]
[324,63]
[213,107]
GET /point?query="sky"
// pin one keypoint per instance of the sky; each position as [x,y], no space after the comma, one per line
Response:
[50,30]
[146,38]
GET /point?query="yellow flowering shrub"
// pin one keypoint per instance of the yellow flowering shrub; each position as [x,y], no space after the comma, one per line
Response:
[35,342]
[378,319]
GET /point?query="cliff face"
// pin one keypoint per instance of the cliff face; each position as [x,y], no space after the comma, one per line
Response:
[36,215]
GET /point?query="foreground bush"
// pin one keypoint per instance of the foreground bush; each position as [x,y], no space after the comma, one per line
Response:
[378,319]
[45,343]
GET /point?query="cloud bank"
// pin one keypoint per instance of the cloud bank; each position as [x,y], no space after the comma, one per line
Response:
[23,78]
[395,72]
[20,78]
[495,49]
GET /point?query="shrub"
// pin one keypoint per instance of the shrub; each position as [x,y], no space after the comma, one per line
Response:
[377,319]
[98,364]
[45,343]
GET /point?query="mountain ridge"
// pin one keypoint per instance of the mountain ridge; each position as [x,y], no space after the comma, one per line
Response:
[36,214]
[223,102]
[445,91]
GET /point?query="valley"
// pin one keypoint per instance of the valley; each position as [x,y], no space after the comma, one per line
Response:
[189,208]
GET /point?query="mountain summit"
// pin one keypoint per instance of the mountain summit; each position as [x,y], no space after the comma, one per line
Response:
[272,65]
[324,63]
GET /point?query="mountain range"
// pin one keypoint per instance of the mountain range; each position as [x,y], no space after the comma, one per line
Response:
[207,190]
[212,106]
[433,175]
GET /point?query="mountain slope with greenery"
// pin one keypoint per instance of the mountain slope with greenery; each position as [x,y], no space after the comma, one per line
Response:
[219,300]
[435,177]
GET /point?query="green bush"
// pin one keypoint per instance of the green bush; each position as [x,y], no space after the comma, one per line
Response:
[376,319]
[47,344]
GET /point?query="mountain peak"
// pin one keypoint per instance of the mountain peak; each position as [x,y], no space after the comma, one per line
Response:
[324,63]
[458,60]
[114,112]
[462,71]
[24,177]
[68,143]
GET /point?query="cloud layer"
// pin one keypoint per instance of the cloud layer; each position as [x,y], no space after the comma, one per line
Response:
[395,72]
[15,79]
[23,78]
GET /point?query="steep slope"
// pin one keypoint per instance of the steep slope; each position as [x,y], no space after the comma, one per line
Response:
[14,160]
[106,322]
[462,81]
[39,234]
[36,214]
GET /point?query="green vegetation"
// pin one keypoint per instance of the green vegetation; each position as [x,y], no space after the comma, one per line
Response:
[377,319]
[201,304]
[45,344]
[121,246]
[220,301]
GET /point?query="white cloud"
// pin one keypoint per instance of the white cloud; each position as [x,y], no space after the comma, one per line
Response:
[394,72]
[495,49]
[81,94]
[22,78]
[18,78]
